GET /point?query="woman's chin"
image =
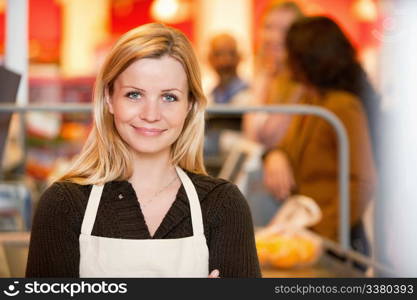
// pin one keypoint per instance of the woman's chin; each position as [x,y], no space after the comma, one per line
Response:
[151,150]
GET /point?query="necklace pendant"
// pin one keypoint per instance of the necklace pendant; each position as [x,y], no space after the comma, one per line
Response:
[144,205]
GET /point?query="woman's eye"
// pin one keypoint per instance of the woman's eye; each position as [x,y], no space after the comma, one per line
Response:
[170,97]
[133,95]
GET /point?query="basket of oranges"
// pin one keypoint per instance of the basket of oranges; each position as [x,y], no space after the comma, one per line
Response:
[286,243]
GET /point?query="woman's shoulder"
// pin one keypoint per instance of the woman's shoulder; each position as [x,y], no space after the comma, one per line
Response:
[218,190]
[224,203]
[205,183]
[338,99]
[68,188]
[63,196]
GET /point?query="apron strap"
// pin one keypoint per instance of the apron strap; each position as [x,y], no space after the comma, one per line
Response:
[195,208]
[91,210]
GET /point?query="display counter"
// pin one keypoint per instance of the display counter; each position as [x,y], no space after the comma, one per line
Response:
[13,253]
[326,266]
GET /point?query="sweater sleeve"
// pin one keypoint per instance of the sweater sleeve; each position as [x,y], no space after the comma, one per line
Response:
[232,241]
[54,245]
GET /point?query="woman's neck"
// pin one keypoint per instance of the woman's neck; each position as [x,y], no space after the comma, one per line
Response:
[151,170]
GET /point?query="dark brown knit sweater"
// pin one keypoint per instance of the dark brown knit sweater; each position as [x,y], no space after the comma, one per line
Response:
[54,245]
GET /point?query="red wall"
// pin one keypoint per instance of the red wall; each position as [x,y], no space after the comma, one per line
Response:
[45,23]
[44,30]
[2,37]
[137,12]
[340,10]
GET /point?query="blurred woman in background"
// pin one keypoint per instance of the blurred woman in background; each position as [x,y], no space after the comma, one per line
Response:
[272,81]
[306,160]
[272,84]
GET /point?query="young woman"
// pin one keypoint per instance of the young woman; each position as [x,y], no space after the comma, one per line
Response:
[137,201]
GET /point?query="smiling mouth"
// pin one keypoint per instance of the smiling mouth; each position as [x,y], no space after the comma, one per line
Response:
[149,131]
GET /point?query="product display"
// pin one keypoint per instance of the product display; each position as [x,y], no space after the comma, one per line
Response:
[285,242]
[288,250]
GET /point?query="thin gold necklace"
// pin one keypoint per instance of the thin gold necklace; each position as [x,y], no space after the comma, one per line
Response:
[159,192]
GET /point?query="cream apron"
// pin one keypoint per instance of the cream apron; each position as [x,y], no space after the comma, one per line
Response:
[113,257]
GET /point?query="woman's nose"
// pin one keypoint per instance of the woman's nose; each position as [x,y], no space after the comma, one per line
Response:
[150,111]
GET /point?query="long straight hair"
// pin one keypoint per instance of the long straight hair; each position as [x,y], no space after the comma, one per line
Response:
[320,54]
[105,155]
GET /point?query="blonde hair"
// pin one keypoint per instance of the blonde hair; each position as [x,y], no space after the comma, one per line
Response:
[274,5]
[105,156]
[285,5]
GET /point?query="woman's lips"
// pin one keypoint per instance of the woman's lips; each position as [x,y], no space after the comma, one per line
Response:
[149,131]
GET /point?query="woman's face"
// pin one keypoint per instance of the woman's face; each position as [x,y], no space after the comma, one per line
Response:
[274,29]
[150,103]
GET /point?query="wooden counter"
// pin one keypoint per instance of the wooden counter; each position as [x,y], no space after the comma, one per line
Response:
[13,253]
[326,266]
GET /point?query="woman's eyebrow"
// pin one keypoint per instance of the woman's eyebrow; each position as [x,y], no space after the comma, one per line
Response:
[142,90]
[173,89]
[132,87]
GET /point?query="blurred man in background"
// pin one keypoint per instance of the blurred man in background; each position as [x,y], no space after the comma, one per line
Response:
[224,58]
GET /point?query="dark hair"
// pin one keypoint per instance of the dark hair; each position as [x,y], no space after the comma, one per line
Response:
[320,54]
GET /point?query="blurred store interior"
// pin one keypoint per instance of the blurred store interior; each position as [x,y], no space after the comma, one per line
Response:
[52,50]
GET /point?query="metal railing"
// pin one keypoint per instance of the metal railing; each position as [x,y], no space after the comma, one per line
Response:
[343,154]
[342,138]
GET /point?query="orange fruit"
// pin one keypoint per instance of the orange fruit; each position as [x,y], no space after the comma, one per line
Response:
[287,258]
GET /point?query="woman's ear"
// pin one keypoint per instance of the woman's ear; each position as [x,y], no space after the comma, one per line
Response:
[190,106]
[109,102]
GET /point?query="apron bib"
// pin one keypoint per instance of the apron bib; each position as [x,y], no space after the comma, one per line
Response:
[113,257]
